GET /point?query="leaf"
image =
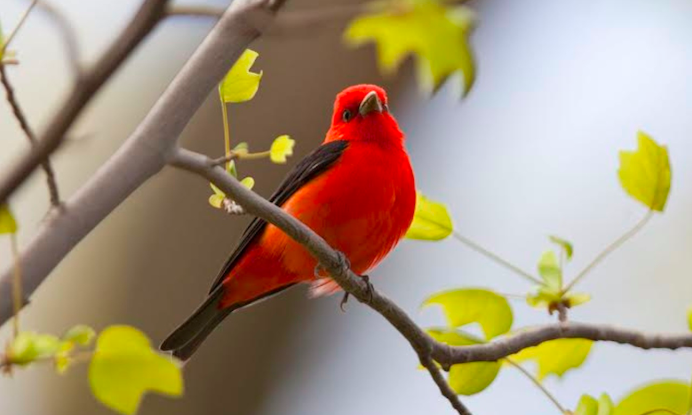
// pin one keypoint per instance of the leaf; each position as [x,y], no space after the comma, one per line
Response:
[465,306]
[239,84]
[28,347]
[466,378]
[549,269]
[689,318]
[645,173]
[431,221]
[667,396]
[124,367]
[605,405]
[281,148]
[566,246]
[7,222]
[435,33]
[555,357]
[248,182]
[80,334]
[576,299]
[587,406]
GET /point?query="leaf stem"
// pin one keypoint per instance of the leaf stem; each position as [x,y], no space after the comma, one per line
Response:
[538,384]
[609,249]
[17,298]
[494,257]
[226,132]
[22,19]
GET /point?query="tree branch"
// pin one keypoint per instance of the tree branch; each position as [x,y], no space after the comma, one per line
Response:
[144,152]
[53,192]
[141,25]
[425,346]
[68,35]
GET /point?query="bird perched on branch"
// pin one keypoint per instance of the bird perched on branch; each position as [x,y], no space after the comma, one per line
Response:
[356,191]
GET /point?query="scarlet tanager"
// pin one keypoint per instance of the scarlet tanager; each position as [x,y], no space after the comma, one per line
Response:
[356,191]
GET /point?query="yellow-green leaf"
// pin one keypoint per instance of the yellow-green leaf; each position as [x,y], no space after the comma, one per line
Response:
[576,299]
[645,173]
[555,357]
[28,347]
[471,378]
[689,318]
[79,334]
[549,269]
[605,405]
[465,306]
[466,378]
[124,367]
[565,245]
[437,34]
[587,406]
[7,222]
[216,200]
[431,221]
[248,182]
[239,84]
[281,148]
[667,396]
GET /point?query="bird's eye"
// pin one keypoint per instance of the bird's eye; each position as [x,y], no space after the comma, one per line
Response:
[346,116]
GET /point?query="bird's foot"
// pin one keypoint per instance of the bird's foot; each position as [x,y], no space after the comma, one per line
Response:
[369,287]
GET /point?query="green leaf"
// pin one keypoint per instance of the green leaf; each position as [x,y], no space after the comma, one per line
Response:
[461,307]
[645,173]
[667,396]
[605,405]
[28,347]
[689,318]
[555,357]
[431,221]
[232,169]
[471,378]
[565,245]
[281,148]
[239,84]
[466,378]
[248,182]
[437,34]
[587,406]
[549,269]
[7,222]
[575,299]
[216,200]
[124,367]
[80,334]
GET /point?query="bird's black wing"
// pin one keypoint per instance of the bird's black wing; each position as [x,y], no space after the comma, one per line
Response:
[310,167]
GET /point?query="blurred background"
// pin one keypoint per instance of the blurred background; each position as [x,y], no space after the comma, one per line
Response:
[532,151]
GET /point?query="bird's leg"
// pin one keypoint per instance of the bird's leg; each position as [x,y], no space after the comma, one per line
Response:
[370,289]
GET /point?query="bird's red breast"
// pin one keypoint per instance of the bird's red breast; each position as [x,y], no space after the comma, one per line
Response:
[361,204]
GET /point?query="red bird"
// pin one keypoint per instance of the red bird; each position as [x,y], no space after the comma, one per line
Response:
[356,191]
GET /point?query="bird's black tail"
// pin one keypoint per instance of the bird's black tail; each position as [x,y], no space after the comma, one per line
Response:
[187,338]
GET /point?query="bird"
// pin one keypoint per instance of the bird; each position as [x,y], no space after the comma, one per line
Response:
[356,190]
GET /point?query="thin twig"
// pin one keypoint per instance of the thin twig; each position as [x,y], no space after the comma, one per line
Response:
[538,384]
[609,249]
[24,124]
[19,25]
[69,36]
[149,14]
[444,387]
[494,257]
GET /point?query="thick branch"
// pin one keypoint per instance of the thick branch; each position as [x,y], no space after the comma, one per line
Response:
[144,153]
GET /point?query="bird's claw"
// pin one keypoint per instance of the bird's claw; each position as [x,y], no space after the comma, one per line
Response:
[369,289]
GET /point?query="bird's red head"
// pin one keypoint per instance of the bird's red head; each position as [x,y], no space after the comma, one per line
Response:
[361,112]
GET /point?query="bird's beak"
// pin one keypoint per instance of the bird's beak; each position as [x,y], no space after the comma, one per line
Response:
[370,103]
